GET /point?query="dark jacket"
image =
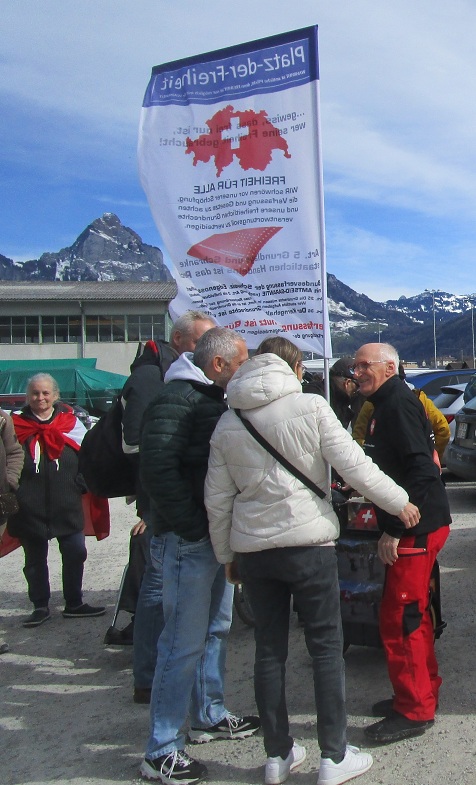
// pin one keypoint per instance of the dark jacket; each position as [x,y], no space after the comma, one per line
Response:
[174,450]
[11,455]
[399,440]
[346,409]
[144,383]
[50,498]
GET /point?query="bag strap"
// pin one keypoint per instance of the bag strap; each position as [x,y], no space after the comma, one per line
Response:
[280,458]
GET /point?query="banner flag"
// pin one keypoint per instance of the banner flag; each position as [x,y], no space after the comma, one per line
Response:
[230,160]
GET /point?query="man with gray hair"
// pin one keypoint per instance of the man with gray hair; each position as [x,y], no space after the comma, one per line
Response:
[197,600]
[399,441]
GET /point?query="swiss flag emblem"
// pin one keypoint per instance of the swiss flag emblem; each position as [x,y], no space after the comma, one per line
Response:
[247,136]
[363,518]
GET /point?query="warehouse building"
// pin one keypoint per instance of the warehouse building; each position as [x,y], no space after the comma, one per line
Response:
[80,319]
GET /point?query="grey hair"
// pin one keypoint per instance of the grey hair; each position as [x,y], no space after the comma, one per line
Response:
[185,322]
[39,377]
[388,352]
[217,341]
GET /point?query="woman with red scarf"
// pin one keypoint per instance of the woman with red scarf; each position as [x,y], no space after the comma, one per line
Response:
[49,498]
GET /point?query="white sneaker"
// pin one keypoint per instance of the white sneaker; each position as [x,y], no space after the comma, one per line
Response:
[278,770]
[353,765]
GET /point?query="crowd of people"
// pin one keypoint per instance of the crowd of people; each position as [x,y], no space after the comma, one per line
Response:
[231,457]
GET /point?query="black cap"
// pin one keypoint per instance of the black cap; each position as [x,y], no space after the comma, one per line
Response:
[342,368]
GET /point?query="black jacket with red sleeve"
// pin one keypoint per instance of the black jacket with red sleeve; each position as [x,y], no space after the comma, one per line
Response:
[399,440]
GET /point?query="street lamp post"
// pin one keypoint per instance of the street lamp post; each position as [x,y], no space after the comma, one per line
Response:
[433,292]
[434,324]
[472,330]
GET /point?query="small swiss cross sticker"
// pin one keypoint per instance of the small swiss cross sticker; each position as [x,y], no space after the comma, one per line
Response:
[403,595]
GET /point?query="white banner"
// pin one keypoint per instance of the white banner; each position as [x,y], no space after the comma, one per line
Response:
[229,157]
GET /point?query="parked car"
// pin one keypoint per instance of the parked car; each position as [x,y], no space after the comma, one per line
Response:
[470,390]
[431,381]
[449,401]
[461,452]
[10,402]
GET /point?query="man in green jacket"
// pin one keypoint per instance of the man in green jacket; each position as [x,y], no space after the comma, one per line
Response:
[197,600]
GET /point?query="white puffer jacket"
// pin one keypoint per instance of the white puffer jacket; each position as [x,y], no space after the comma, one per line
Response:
[253,502]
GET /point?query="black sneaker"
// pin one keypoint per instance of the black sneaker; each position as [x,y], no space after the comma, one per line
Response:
[396,727]
[38,616]
[231,727]
[175,768]
[116,637]
[83,611]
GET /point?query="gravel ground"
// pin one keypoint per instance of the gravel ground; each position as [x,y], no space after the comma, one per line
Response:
[67,715]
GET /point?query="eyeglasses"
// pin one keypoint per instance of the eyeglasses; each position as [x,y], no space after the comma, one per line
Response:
[364,366]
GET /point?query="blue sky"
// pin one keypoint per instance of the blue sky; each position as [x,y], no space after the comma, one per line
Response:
[398,120]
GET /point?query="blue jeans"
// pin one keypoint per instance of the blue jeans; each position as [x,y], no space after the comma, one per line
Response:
[189,675]
[73,553]
[309,574]
[148,620]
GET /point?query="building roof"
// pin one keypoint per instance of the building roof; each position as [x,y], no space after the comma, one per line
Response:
[87,290]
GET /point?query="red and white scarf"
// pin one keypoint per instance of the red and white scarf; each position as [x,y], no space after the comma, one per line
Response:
[49,437]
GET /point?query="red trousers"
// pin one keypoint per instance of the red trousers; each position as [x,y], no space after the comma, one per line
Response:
[406,629]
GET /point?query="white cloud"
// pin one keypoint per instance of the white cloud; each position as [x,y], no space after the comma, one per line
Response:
[363,163]
[385,268]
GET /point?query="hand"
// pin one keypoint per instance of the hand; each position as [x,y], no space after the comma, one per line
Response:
[231,572]
[410,515]
[138,528]
[387,549]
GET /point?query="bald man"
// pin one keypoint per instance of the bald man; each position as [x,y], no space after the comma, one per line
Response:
[399,441]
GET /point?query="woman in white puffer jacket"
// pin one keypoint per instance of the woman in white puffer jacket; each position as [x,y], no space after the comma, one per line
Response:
[281,535]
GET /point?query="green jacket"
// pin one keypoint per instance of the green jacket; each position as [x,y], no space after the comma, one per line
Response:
[174,449]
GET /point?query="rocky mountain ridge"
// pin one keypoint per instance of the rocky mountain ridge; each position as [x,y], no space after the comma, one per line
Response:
[407,323]
[105,251]
[109,251]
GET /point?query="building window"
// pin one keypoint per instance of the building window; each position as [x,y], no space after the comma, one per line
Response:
[19,329]
[67,329]
[105,329]
[125,328]
[145,328]
[118,329]
[61,329]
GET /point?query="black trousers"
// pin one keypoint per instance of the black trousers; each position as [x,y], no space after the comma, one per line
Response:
[73,554]
[309,574]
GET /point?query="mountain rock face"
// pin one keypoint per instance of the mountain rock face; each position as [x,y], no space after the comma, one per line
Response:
[9,271]
[407,323]
[105,251]
[420,306]
[108,251]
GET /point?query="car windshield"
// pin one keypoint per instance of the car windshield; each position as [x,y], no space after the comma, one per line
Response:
[470,406]
[470,390]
